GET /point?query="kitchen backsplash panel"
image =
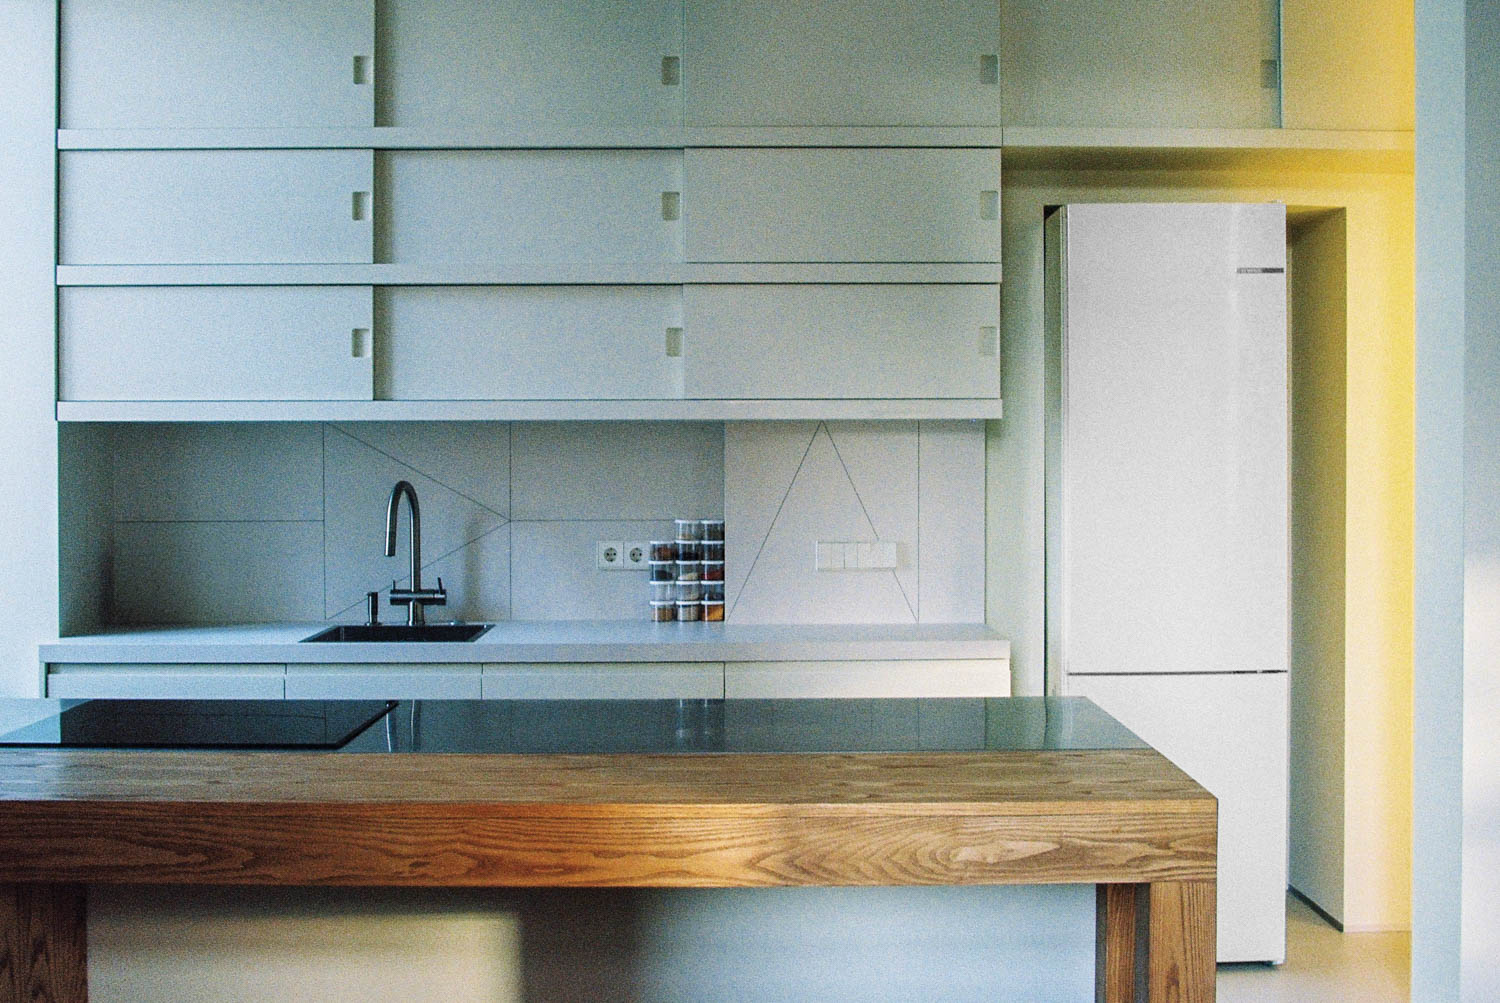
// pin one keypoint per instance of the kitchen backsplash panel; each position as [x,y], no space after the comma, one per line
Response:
[792,485]
[216,523]
[219,523]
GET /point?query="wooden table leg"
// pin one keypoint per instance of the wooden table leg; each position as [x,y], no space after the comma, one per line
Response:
[42,943]
[1120,943]
[1180,945]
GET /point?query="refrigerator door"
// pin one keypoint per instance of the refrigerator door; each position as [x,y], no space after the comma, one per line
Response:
[1167,466]
[1228,732]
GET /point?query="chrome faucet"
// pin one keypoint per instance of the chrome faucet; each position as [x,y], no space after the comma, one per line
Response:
[415,598]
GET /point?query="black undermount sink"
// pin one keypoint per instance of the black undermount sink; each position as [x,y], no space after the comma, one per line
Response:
[364,632]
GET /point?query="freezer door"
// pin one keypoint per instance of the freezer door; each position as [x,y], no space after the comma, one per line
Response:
[1229,733]
[1167,466]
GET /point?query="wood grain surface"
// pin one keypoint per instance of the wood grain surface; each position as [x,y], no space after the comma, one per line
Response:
[590,820]
[1120,943]
[1182,942]
[573,846]
[42,943]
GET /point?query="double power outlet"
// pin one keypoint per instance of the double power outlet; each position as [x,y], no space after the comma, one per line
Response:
[617,555]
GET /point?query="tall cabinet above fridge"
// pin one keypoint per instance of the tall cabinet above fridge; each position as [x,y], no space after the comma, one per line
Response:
[1167,511]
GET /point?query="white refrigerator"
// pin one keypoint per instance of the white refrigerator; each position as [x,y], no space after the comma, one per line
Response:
[1167,511]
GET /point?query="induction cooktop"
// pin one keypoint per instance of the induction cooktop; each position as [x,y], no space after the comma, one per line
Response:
[202,724]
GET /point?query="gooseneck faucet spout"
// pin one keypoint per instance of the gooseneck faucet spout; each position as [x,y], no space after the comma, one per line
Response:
[415,598]
[392,515]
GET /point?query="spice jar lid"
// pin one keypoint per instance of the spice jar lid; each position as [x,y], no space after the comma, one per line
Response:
[663,602]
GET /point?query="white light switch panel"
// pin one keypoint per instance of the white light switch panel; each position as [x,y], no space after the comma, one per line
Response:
[856,555]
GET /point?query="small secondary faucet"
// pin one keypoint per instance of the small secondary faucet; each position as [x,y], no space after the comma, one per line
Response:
[415,598]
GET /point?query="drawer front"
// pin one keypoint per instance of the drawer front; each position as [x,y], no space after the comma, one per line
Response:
[500,206]
[167,681]
[842,341]
[158,64]
[363,681]
[208,343]
[530,342]
[604,681]
[167,207]
[829,680]
[898,205]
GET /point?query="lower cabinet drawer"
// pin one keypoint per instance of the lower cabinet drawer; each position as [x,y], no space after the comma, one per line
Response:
[826,680]
[604,681]
[167,681]
[393,681]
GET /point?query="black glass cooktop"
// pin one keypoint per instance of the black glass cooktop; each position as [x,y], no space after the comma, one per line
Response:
[200,724]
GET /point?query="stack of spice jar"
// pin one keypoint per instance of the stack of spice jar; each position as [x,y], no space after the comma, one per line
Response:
[687,574]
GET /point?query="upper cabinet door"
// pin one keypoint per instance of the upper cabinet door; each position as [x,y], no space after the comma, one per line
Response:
[842,63]
[522,63]
[140,64]
[162,343]
[899,205]
[141,207]
[552,206]
[1172,63]
[806,342]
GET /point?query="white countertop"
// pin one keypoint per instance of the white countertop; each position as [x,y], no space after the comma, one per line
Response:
[540,641]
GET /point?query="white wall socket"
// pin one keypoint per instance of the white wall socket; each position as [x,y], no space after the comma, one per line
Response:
[608,555]
[620,555]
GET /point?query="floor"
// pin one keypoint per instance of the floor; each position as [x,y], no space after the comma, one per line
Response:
[1323,964]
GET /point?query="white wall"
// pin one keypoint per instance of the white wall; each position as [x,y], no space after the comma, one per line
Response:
[1481,692]
[28,434]
[1437,811]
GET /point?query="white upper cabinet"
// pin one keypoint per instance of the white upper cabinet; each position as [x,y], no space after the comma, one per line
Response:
[139,64]
[163,343]
[895,205]
[127,207]
[553,206]
[1108,63]
[842,63]
[525,64]
[842,341]
[530,342]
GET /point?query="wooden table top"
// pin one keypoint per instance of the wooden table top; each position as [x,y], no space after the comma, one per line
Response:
[1035,816]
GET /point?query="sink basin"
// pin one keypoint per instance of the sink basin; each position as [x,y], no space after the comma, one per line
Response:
[364,632]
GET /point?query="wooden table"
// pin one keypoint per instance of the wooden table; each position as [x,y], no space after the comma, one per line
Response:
[1124,819]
